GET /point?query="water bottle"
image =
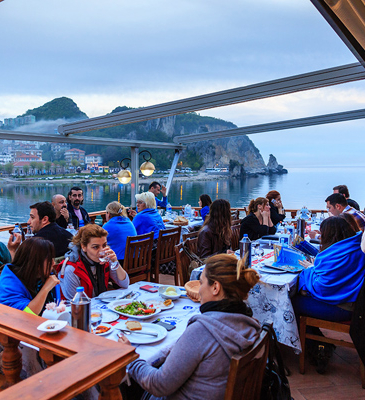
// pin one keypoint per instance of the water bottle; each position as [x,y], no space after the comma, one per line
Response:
[187,212]
[70,228]
[168,208]
[80,310]
[29,233]
[17,230]
[322,217]
[245,250]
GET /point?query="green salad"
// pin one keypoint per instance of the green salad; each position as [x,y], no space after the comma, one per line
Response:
[135,308]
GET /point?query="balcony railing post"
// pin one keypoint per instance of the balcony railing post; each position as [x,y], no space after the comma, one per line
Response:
[110,386]
[11,360]
[48,357]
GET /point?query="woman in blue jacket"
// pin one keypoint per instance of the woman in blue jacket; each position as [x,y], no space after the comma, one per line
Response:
[26,283]
[204,202]
[119,227]
[147,219]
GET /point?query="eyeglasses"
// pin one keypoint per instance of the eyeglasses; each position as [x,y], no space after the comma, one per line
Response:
[140,202]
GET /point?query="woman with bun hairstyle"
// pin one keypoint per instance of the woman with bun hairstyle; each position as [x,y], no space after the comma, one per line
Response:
[119,227]
[27,282]
[204,202]
[197,366]
[277,213]
[258,222]
[215,235]
[82,266]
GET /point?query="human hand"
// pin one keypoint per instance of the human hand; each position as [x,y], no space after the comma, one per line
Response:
[13,246]
[312,234]
[229,251]
[132,213]
[163,190]
[64,212]
[123,339]
[51,282]
[110,254]
[265,214]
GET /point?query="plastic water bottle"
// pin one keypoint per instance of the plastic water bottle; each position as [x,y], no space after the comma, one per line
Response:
[245,250]
[17,230]
[29,233]
[80,310]
[71,229]
[322,217]
[168,208]
[187,212]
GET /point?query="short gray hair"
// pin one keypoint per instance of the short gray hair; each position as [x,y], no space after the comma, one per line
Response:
[148,198]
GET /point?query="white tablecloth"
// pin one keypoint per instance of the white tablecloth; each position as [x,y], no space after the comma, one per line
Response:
[185,229]
[179,316]
[270,302]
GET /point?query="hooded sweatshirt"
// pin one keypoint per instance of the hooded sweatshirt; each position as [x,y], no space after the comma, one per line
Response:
[148,220]
[197,367]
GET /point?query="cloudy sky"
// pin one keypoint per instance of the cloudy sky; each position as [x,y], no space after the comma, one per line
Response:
[110,53]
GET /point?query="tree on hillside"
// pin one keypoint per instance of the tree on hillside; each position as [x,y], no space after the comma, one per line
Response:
[75,164]
[26,169]
[47,166]
[33,165]
[9,168]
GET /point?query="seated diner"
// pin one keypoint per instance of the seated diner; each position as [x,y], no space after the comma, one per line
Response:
[148,218]
[198,364]
[90,263]
[119,227]
[277,213]
[215,235]
[26,283]
[258,222]
[204,202]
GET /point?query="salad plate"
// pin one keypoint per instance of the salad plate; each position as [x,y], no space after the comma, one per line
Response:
[133,309]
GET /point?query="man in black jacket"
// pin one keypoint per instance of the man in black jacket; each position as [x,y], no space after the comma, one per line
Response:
[60,205]
[42,219]
[79,215]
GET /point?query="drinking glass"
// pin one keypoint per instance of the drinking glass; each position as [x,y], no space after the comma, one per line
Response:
[103,258]
[95,318]
[259,252]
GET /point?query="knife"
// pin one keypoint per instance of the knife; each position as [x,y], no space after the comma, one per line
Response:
[138,332]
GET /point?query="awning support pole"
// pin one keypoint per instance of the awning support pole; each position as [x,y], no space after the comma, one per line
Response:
[135,174]
[172,171]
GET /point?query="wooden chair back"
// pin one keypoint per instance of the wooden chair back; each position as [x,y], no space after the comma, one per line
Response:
[235,237]
[190,235]
[137,258]
[235,214]
[235,222]
[165,252]
[192,244]
[246,371]
[182,264]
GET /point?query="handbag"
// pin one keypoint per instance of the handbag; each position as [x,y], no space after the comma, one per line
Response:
[275,384]
[195,261]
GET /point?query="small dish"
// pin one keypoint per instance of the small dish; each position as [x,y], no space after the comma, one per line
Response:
[109,316]
[110,330]
[159,304]
[52,326]
[162,290]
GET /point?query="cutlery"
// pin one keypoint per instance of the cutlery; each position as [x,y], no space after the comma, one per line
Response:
[128,332]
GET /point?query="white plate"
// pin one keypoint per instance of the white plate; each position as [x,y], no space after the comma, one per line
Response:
[104,333]
[145,339]
[162,290]
[159,304]
[116,303]
[109,316]
[55,325]
[113,295]
[268,270]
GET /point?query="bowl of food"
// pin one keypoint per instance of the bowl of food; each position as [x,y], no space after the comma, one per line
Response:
[169,292]
[192,290]
[181,221]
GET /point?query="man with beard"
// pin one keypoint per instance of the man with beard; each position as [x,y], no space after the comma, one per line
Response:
[60,205]
[79,215]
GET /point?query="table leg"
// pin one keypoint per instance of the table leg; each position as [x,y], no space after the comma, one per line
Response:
[11,360]
[110,386]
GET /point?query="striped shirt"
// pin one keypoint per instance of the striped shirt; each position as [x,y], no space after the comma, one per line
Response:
[359,216]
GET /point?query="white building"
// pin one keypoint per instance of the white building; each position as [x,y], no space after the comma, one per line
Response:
[6,158]
[93,160]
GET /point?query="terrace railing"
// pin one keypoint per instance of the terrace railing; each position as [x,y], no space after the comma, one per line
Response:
[76,360]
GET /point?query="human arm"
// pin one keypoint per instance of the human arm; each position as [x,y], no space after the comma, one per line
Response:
[266,220]
[314,234]
[69,282]
[13,246]
[276,214]
[161,203]
[205,245]
[190,350]
[64,212]
[118,275]
[36,305]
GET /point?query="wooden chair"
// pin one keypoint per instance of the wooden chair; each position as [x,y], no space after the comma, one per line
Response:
[235,214]
[137,259]
[182,264]
[342,327]
[246,371]
[235,237]
[192,245]
[190,235]
[235,222]
[165,252]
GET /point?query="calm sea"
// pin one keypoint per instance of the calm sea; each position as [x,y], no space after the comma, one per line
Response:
[301,186]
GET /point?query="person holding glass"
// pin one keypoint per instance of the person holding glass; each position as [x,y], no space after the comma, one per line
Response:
[90,263]
[277,212]
[258,222]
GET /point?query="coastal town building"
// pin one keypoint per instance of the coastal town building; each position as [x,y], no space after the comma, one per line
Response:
[57,147]
[93,161]
[6,158]
[75,154]
[18,121]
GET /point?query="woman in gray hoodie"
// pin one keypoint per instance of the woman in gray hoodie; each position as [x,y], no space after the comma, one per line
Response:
[197,366]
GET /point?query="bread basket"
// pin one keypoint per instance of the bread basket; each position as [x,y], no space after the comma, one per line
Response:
[192,290]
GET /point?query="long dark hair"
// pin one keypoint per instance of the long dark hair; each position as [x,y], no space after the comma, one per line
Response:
[219,220]
[333,230]
[206,200]
[29,261]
